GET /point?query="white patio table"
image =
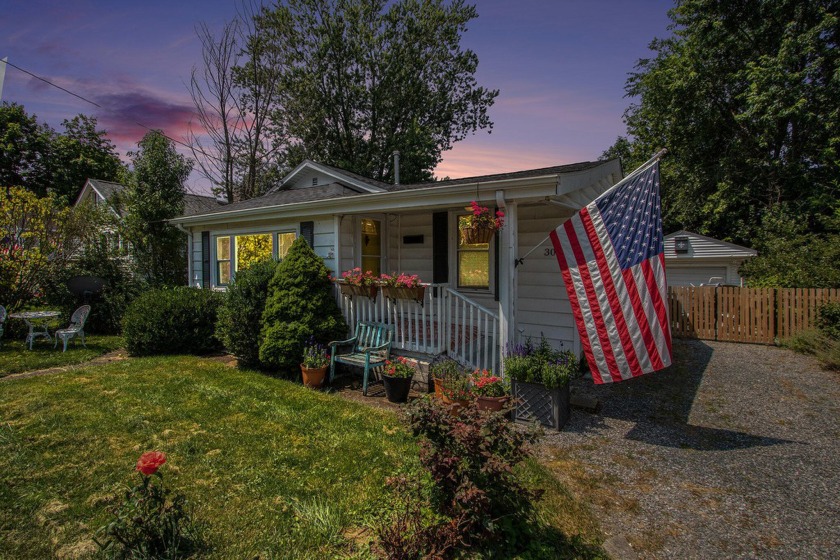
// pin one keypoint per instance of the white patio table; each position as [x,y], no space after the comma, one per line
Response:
[36,320]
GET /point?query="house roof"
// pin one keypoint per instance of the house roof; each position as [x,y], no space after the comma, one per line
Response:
[351,185]
[704,247]
[539,172]
[193,203]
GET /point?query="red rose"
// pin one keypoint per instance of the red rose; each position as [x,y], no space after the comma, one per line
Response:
[150,462]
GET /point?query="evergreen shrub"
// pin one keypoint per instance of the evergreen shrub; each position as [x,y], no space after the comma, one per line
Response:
[240,315]
[300,306]
[178,320]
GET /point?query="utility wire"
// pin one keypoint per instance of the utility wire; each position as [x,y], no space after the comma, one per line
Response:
[86,100]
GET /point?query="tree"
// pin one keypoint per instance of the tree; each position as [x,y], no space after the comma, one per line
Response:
[300,306]
[38,238]
[24,150]
[156,194]
[744,96]
[361,79]
[36,157]
[82,152]
[233,92]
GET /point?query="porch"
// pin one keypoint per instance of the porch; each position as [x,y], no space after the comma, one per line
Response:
[446,322]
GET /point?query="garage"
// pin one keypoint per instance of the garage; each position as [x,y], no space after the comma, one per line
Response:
[692,259]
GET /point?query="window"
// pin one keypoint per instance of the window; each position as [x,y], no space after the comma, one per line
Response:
[284,243]
[223,271]
[251,249]
[473,261]
[372,246]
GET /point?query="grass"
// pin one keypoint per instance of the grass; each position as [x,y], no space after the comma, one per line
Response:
[15,356]
[816,343]
[270,468]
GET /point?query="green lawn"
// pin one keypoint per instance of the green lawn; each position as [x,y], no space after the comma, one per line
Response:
[15,356]
[272,469]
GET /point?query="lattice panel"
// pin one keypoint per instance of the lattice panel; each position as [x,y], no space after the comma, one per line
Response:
[535,402]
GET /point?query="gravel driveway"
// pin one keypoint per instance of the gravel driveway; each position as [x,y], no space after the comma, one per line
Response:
[732,452]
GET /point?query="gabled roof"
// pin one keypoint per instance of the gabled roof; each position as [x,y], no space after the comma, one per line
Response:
[276,197]
[193,203]
[707,247]
[362,184]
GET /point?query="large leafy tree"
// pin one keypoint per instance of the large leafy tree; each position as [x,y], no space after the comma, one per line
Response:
[744,95]
[38,239]
[361,79]
[156,194]
[41,160]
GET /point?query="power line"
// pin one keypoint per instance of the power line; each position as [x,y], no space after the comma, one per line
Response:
[86,100]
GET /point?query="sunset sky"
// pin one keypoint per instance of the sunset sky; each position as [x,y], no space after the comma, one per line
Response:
[560,67]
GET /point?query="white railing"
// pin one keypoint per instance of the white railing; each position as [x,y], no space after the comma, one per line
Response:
[446,323]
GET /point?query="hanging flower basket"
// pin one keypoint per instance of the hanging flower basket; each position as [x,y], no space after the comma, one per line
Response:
[478,234]
[353,290]
[393,293]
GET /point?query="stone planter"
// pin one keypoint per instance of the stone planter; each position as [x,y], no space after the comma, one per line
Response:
[396,388]
[313,377]
[550,407]
[493,404]
[394,293]
[353,290]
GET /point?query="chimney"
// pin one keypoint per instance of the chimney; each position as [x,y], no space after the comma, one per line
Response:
[396,167]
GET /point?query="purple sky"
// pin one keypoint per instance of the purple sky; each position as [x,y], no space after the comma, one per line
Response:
[560,67]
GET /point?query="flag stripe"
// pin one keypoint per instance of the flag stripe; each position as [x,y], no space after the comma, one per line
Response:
[643,311]
[614,305]
[573,299]
[600,334]
[662,282]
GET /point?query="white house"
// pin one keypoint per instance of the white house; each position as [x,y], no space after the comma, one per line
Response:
[477,300]
[692,259]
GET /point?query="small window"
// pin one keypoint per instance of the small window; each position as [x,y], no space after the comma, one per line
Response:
[314,181]
[473,261]
[223,271]
[681,245]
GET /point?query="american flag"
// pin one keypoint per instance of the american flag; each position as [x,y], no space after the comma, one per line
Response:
[611,257]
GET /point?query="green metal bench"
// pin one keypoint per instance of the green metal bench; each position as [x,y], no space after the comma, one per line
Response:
[370,348]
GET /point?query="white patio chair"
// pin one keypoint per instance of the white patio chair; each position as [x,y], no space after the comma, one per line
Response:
[2,322]
[76,328]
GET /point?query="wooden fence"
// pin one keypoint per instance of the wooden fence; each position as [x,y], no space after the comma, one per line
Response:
[755,315]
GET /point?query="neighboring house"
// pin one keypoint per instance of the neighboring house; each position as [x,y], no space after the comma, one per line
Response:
[478,299]
[692,259]
[100,192]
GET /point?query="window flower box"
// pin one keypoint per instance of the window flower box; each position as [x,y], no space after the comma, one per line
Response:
[394,293]
[354,290]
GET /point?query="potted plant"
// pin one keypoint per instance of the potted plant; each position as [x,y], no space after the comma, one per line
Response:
[357,283]
[540,382]
[315,363]
[491,391]
[443,369]
[457,390]
[397,377]
[402,286]
[481,225]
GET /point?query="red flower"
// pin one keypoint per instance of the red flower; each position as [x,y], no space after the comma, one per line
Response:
[150,462]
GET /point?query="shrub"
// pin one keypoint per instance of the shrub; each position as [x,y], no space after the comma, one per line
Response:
[470,458]
[172,321]
[300,305]
[240,315]
[444,367]
[828,320]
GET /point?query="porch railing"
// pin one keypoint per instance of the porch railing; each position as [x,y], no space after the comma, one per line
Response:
[446,323]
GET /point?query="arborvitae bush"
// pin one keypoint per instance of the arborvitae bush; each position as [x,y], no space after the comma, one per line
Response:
[240,316]
[300,305]
[177,320]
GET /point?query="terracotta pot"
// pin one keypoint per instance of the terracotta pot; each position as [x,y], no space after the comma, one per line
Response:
[396,388]
[313,377]
[353,290]
[415,294]
[491,403]
[476,235]
[438,387]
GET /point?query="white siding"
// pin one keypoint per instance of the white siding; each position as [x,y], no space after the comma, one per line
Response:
[347,251]
[414,258]
[706,258]
[701,247]
[542,306]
